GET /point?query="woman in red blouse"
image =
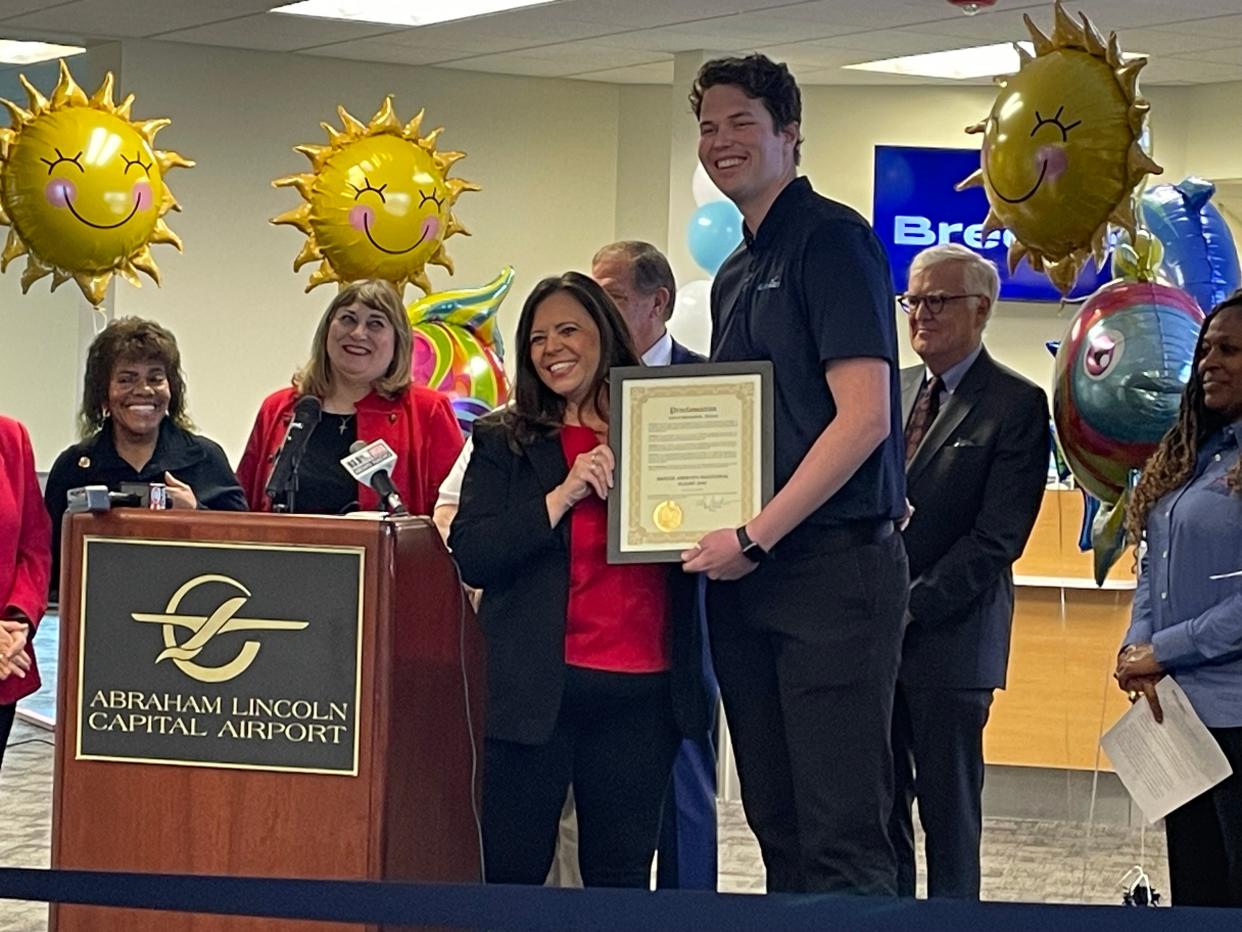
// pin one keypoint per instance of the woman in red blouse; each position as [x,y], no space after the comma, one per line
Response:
[25,564]
[593,671]
[359,369]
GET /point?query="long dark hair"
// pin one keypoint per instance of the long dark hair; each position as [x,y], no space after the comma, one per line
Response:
[536,411]
[1174,460]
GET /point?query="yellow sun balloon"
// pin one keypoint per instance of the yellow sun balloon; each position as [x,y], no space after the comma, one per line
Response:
[378,202]
[82,188]
[1061,149]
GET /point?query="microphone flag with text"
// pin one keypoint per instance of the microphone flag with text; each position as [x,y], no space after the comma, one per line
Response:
[371,464]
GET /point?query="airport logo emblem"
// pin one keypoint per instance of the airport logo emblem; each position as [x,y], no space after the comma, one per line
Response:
[204,628]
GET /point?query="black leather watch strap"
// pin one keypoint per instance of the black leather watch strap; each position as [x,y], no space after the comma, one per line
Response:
[750,550]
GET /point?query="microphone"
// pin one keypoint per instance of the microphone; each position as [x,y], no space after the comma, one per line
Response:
[284,479]
[371,464]
[98,498]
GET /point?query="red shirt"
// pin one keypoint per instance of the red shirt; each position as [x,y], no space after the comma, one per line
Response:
[617,618]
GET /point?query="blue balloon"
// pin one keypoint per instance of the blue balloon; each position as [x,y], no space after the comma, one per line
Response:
[1199,253]
[715,231]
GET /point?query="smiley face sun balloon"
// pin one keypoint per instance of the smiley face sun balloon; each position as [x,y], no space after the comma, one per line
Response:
[82,188]
[1061,153]
[378,204]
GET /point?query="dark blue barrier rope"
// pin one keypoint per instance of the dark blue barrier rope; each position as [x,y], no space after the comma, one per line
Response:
[537,908]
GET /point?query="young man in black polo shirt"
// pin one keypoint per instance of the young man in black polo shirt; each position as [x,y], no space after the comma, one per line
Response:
[807,604]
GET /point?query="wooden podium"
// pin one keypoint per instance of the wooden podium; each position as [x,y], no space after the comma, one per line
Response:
[185,636]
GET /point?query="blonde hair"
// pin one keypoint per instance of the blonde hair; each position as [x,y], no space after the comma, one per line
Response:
[315,378]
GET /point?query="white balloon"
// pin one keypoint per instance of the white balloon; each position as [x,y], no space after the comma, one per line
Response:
[691,325]
[705,190]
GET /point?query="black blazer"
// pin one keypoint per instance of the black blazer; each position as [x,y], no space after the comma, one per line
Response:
[504,545]
[976,483]
[682,355]
[194,459]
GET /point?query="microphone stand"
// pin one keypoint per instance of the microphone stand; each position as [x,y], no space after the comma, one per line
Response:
[288,495]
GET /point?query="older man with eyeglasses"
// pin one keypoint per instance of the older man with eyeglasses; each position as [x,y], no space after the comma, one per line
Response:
[977,448]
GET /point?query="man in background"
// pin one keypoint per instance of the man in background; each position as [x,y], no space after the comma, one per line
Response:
[976,464]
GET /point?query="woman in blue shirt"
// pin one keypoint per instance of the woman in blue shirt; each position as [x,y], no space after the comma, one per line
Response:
[1187,615]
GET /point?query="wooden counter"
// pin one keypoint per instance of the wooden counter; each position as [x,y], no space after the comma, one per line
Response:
[1061,695]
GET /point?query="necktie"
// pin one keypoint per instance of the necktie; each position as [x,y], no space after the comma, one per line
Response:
[926,407]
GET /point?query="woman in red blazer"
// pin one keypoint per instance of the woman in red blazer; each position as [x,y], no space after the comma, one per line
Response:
[25,564]
[360,371]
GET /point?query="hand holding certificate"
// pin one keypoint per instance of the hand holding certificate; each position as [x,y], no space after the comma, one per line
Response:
[693,448]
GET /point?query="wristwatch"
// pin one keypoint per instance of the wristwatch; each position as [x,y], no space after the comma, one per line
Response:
[750,550]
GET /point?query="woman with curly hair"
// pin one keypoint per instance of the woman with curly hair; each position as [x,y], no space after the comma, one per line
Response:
[1187,617]
[135,428]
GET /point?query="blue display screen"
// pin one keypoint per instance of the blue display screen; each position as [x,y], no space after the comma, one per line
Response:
[915,206]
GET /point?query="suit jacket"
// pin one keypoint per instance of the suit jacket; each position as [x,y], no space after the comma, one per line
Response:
[504,545]
[976,483]
[25,547]
[682,355]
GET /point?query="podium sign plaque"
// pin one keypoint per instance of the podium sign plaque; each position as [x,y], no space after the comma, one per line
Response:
[225,655]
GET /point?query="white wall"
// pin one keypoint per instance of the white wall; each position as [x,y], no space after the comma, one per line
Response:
[41,333]
[643,141]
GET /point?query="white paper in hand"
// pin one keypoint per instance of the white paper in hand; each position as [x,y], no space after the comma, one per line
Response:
[1164,766]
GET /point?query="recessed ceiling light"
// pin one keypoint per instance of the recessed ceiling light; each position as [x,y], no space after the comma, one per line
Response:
[17,52]
[403,12]
[981,61]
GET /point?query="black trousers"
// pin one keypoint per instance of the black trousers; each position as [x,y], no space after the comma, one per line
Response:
[806,649]
[1205,837]
[7,713]
[938,758]
[614,741]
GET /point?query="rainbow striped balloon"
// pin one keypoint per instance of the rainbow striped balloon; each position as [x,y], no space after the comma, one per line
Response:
[457,347]
[1120,371]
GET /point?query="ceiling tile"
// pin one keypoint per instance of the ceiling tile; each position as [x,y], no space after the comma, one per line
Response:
[660,72]
[1190,41]
[653,13]
[14,8]
[1224,56]
[133,18]
[1216,27]
[857,47]
[394,53]
[277,33]
[1120,15]
[1160,70]
[517,63]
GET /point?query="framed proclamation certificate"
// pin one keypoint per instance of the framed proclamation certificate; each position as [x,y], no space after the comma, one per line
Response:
[693,445]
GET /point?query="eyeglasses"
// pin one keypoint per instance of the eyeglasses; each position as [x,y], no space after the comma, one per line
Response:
[933,304]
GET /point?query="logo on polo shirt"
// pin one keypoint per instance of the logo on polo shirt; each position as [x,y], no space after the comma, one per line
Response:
[773,282]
